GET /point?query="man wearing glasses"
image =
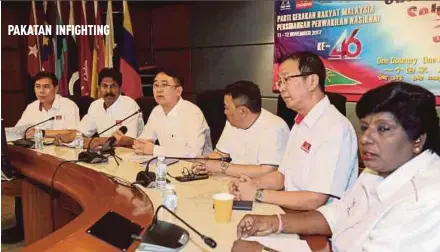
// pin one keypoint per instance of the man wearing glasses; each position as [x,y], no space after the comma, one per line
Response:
[320,161]
[179,125]
[110,109]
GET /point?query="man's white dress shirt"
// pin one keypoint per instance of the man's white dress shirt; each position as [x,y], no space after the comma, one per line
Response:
[100,118]
[183,132]
[398,213]
[321,154]
[263,143]
[64,110]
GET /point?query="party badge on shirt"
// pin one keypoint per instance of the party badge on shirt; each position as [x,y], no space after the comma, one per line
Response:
[58,117]
[306,146]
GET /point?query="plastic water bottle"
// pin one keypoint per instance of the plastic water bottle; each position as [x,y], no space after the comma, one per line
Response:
[79,143]
[170,201]
[161,173]
[38,138]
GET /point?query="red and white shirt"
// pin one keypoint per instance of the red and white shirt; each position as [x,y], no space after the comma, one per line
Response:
[64,110]
[100,118]
[321,154]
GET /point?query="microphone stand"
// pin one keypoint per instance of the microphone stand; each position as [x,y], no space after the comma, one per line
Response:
[26,142]
[97,157]
[123,120]
[145,178]
[112,153]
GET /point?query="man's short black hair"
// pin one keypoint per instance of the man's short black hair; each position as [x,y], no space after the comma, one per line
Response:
[308,62]
[245,93]
[49,75]
[176,77]
[110,73]
[411,105]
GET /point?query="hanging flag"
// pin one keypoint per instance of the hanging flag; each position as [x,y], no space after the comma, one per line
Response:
[130,72]
[110,38]
[33,57]
[47,57]
[85,58]
[98,54]
[72,72]
[61,62]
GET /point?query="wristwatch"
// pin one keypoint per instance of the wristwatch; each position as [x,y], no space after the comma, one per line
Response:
[224,166]
[259,195]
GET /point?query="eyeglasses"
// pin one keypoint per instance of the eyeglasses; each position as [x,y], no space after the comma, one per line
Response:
[191,173]
[284,80]
[163,86]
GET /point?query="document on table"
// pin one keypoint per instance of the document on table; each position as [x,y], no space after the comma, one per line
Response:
[140,159]
[143,159]
[282,242]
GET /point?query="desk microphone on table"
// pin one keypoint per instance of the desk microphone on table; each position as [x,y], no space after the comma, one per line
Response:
[167,235]
[144,178]
[93,157]
[114,125]
[26,142]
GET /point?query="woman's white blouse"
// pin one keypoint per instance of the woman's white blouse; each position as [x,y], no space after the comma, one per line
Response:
[398,213]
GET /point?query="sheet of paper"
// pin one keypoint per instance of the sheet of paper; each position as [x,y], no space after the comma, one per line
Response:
[70,145]
[140,159]
[282,242]
[14,133]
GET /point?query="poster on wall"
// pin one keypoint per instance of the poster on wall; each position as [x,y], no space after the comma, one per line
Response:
[363,44]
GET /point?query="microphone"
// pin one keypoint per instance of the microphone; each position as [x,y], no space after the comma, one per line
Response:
[97,157]
[168,235]
[112,140]
[29,143]
[102,132]
[145,178]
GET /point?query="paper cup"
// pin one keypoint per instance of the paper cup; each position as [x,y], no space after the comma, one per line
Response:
[223,207]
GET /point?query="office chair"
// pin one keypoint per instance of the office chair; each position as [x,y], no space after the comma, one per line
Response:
[212,106]
[288,115]
[83,103]
[147,105]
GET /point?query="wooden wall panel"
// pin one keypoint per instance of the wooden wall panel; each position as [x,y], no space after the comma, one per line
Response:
[13,106]
[12,76]
[9,18]
[180,62]
[172,26]
[14,52]
[142,29]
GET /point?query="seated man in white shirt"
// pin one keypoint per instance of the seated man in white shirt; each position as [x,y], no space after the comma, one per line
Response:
[321,155]
[179,125]
[394,205]
[253,138]
[109,110]
[49,104]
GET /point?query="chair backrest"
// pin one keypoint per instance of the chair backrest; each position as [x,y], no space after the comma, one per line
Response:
[338,101]
[212,106]
[83,103]
[147,105]
[288,115]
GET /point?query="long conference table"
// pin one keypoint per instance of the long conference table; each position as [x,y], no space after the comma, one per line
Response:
[58,220]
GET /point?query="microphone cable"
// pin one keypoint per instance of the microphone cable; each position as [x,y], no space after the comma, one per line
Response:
[51,190]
